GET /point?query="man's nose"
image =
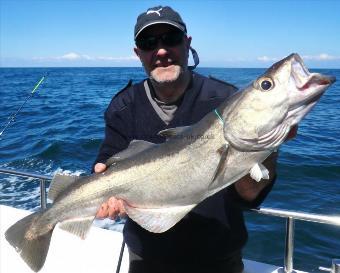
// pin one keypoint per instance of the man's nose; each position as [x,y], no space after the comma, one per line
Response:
[161,50]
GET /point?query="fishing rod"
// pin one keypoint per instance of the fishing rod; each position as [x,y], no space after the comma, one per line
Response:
[12,117]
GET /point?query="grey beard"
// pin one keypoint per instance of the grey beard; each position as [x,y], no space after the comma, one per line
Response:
[178,71]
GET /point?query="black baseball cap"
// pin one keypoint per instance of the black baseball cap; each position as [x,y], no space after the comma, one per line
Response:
[159,15]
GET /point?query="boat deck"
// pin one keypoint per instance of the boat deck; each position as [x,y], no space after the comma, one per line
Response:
[99,252]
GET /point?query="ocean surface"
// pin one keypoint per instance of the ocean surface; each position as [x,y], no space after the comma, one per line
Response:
[61,127]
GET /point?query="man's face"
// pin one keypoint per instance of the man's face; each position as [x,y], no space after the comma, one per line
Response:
[164,63]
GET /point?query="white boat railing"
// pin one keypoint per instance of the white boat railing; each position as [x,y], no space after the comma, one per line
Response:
[290,216]
[41,178]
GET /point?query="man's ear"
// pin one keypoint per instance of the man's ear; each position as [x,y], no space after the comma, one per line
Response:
[187,45]
[188,42]
[136,50]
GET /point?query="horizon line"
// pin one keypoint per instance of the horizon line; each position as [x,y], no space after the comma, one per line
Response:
[204,67]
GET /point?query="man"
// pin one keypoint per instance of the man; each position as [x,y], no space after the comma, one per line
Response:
[210,238]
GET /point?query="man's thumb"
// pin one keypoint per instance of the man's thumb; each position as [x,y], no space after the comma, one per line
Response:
[99,168]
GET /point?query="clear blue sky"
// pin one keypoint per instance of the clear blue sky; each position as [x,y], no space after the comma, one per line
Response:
[225,33]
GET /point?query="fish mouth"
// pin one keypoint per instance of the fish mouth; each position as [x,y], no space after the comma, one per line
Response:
[310,84]
[299,91]
[317,79]
[306,88]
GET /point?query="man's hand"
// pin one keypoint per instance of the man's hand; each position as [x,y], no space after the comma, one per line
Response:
[113,207]
[99,168]
[247,188]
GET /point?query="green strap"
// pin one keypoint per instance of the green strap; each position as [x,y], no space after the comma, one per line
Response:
[219,116]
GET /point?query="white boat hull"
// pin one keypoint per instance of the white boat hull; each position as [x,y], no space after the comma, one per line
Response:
[69,254]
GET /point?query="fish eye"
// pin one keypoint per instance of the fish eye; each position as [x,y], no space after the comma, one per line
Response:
[266,84]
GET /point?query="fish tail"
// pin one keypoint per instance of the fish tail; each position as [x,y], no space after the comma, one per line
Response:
[31,246]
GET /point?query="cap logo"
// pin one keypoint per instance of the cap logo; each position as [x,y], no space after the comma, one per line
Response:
[154,11]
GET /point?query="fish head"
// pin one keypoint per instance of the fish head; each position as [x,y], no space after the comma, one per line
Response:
[263,115]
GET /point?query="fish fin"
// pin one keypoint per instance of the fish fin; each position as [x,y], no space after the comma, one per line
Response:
[258,172]
[59,183]
[223,151]
[78,226]
[172,132]
[157,220]
[32,248]
[135,147]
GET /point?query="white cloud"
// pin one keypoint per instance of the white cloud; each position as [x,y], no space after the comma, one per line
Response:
[87,57]
[266,59]
[118,59]
[321,57]
[72,56]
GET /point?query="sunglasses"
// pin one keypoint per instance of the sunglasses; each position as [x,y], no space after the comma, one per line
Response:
[170,39]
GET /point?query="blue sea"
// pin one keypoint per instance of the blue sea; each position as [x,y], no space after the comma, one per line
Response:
[61,127]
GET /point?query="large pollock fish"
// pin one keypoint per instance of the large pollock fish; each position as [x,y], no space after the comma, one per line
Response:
[161,183]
